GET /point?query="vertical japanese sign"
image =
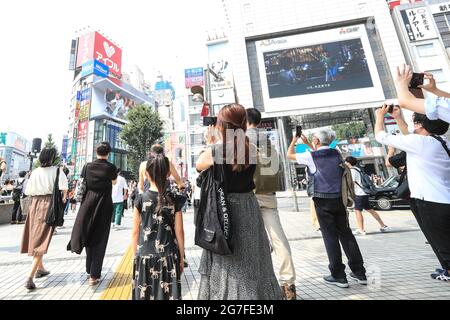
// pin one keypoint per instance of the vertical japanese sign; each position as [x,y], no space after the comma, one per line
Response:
[419,24]
[65,145]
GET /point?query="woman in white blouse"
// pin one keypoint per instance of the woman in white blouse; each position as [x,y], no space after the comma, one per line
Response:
[37,234]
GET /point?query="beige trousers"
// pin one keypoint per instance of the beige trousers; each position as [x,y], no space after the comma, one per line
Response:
[280,244]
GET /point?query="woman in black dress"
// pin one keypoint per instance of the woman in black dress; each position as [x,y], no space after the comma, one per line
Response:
[158,237]
[93,222]
[248,273]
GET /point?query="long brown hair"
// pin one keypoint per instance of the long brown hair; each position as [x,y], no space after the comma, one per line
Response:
[234,117]
[158,168]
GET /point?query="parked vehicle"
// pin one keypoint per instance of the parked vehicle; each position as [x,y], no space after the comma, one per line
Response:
[385,198]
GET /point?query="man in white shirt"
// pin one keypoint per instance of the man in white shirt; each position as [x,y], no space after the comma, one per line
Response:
[428,163]
[434,107]
[362,199]
[118,192]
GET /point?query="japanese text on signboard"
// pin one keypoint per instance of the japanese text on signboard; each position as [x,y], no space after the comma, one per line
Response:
[418,24]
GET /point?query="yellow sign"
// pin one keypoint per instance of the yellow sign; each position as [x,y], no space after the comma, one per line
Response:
[84,112]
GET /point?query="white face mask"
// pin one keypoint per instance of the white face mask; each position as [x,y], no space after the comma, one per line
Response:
[414,128]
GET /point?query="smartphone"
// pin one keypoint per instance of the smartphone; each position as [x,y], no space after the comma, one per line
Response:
[298,131]
[391,108]
[416,81]
[209,121]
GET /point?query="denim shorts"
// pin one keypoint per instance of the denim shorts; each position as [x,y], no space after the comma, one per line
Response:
[362,203]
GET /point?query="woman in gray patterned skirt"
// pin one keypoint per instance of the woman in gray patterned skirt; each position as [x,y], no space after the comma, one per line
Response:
[248,273]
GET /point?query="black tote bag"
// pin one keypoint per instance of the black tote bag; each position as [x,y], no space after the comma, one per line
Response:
[213,223]
[55,213]
[402,190]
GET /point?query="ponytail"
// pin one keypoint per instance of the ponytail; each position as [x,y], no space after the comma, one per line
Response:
[158,168]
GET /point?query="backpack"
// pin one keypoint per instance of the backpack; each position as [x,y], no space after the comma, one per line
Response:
[366,183]
[267,183]
[17,191]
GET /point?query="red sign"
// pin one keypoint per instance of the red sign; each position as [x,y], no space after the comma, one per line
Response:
[82,129]
[395,3]
[95,46]
[108,53]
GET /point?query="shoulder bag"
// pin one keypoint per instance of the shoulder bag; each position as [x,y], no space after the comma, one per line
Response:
[55,213]
[82,186]
[213,223]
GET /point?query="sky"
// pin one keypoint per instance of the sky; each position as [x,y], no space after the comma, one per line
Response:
[166,36]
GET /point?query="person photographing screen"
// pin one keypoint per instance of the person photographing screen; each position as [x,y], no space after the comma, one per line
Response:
[434,108]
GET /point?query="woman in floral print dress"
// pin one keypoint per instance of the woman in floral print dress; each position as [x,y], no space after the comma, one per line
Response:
[158,237]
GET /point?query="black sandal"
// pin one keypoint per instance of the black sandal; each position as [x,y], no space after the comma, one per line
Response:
[30,284]
[41,273]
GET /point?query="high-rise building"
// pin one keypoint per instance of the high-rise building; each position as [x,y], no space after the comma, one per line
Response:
[100,101]
[14,149]
[421,30]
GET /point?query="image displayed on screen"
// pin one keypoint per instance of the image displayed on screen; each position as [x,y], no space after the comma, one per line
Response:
[117,104]
[327,67]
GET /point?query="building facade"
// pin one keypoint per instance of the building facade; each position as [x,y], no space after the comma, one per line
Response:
[14,149]
[316,64]
[100,102]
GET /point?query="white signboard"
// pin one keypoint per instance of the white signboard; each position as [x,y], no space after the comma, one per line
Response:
[223,96]
[440,7]
[320,69]
[219,63]
[419,24]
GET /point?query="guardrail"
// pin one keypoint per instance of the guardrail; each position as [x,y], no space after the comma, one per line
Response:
[6,198]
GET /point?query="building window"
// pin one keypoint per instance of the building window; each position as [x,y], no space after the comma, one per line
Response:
[438,75]
[194,159]
[443,25]
[196,138]
[426,50]
[195,119]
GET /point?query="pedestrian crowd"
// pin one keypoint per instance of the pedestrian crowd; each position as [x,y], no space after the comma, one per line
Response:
[235,206]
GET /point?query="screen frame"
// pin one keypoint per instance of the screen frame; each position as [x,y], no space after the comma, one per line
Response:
[324,99]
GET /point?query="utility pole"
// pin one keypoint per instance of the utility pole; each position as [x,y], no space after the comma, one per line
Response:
[286,164]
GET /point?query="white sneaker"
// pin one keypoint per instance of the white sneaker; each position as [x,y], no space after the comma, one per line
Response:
[113,226]
[117,228]
[385,229]
[359,233]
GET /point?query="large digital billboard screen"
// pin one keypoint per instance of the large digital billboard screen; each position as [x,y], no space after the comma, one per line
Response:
[318,69]
[113,103]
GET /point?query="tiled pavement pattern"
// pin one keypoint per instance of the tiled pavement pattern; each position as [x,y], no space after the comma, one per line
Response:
[398,263]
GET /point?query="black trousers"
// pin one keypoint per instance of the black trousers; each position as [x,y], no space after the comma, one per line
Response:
[333,220]
[95,255]
[16,212]
[434,221]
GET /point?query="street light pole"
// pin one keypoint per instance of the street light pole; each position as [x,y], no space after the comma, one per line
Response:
[31,159]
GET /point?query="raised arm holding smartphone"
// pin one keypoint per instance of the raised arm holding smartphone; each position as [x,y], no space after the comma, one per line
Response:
[434,108]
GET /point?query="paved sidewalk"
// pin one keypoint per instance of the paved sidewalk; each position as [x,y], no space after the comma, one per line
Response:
[398,263]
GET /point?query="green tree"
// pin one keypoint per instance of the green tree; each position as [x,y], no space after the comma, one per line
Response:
[50,143]
[344,131]
[143,130]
